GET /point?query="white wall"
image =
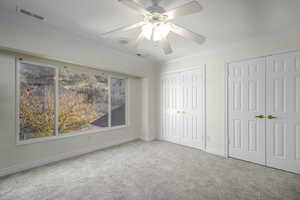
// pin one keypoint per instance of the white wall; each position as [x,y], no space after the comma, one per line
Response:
[34,36]
[37,38]
[215,62]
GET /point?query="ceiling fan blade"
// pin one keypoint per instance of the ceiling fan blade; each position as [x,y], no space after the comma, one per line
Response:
[165,45]
[136,43]
[187,33]
[124,28]
[135,6]
[186,9]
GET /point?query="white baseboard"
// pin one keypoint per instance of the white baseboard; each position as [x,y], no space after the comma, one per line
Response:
[147,139]
[216,153]
[205,150]
[38,163]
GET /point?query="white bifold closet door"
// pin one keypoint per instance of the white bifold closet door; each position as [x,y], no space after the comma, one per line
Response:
[246,100]
[264,110]
[283,102]
[182,108]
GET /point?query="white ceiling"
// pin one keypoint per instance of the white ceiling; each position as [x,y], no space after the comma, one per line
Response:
[222,22]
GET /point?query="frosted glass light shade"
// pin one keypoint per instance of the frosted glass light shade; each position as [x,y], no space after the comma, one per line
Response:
[147,31]
[161,30]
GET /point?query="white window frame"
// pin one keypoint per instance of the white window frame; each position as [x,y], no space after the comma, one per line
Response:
[19,61]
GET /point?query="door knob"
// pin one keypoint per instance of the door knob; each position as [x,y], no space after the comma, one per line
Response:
[271,117]
[260,116]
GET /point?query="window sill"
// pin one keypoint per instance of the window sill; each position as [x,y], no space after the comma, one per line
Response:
[61,136]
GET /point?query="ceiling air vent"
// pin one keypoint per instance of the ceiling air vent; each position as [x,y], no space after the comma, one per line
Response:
[123,40]
[141,53]
[28,13]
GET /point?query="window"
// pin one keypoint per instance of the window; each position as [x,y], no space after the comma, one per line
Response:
[37,101]
[118,101]
[83,101]
[60,101]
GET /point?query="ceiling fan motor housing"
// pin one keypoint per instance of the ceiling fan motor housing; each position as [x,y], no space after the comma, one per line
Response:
[156,9]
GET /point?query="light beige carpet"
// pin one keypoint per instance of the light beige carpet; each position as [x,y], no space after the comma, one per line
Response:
[155,170]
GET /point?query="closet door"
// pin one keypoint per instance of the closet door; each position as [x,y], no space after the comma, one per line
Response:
[246,110]
[170,103]
[182,108]
[283,103]
[192,108]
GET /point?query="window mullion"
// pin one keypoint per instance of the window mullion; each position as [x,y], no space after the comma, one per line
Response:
[126,102]
[109,102]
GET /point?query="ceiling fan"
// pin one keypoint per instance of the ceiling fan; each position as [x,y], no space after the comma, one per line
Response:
[156,25]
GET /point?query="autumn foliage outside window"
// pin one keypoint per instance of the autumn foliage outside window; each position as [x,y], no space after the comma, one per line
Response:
[82,102]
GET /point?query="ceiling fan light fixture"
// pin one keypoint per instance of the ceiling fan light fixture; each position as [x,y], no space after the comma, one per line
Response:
[147,31]
[157,23]
[159,31]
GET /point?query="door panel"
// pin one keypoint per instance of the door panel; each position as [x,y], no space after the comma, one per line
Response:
[279,139]
[297,142]
[297,92]
[246,93]
[283,90]
[252,136]
[237,134]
